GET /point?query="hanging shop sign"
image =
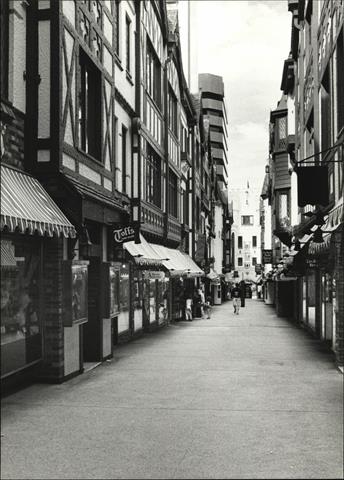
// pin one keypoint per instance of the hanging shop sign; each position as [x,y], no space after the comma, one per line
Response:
[124,233]
[267,256]
[312,185]
[258,269]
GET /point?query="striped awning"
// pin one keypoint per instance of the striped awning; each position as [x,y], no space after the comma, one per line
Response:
[152,255]
[144,255]
[178,263]
[27,207]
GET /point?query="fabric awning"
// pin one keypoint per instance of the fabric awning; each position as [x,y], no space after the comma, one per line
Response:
[26,206]
[178,263]
[144,255]
[213,276]
[174,261]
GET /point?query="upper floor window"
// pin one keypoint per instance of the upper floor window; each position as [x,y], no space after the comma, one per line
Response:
[127,43]
[254,241]
[281,133]
[153,74]
[4,48]
[89,107]
[246,219]
[172,112]
[153,177]
[117,26]
[239,241]
[172,194]
[124,159]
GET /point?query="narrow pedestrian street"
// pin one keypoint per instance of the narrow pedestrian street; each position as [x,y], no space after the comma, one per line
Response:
[248,396]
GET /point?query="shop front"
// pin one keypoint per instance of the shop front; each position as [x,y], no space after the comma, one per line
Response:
[148,286]
[166,277]
[32,227]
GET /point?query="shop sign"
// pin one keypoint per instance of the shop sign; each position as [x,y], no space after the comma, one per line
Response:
[258,269]
[124,233]
[267,256]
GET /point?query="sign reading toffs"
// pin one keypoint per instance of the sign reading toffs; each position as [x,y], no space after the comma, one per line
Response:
[124,233]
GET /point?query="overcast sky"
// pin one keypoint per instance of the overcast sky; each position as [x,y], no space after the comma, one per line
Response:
[246,42]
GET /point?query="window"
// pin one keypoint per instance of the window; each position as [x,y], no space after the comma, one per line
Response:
[89,107]
[254,241]
[283,206]
[246,219]
[4,48]
[172,112]
[124,159]
[127,43]
[115,147]
[239,261]
[239,242]
[326,112]
[117,26]
[172,194]
[153,74]
[254,261]
[340,81]
[153,177]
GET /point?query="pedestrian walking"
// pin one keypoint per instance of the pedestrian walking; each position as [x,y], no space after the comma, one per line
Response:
[242,287]
[188,308]
[197,303]
[207,307]
[236,298]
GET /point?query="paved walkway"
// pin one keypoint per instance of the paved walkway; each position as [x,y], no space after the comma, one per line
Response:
[246,396]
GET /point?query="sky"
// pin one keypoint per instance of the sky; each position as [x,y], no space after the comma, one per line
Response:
[246,42]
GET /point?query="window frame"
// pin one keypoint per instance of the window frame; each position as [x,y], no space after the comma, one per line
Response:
[153,74]
[124,158]
[153,177]
[127,44]
[250,224]
[4,15]
[117,19]
[172,194]
[172,111]
[90,123]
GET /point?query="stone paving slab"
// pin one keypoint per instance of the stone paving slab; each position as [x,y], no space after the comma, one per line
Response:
[248,396]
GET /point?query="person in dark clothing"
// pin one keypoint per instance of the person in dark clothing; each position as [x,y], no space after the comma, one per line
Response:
[242,292]
[235,292]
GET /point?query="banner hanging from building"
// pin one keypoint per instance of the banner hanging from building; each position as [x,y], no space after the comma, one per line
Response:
[267,256]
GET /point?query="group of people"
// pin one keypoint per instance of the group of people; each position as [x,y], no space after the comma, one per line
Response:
[196,305]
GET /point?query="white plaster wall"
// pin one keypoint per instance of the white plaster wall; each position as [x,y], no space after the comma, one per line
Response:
[17,55]
[71,349]
[240,207]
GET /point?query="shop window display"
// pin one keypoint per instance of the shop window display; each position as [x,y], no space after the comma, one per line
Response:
[20,319]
